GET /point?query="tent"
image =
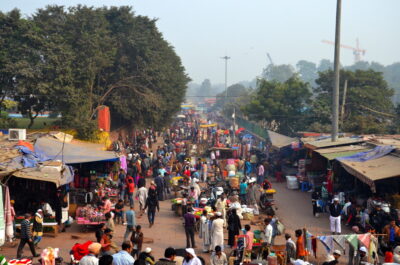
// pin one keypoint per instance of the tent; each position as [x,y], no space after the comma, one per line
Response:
[75,152]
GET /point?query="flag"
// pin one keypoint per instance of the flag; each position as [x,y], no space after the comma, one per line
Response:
[327,241]
[340,240]
[365,239]
[353,240]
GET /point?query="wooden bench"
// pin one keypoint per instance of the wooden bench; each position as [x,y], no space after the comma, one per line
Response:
[52,225]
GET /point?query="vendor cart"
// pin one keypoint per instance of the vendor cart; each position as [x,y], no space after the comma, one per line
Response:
[88,217]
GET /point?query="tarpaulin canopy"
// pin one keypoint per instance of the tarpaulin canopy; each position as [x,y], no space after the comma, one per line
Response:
[375,153]
[72,153]
[334,152]
[59,178]
[279,140]
[325,143]
[387,166]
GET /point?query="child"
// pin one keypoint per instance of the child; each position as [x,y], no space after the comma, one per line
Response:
[137,241]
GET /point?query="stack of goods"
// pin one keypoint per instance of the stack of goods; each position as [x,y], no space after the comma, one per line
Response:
[177,201]
[89,215]
[248,213]
[292,183]
[257,237]
[231,167]
[301,173]
[110,192]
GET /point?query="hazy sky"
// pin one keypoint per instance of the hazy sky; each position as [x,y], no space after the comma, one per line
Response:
[202,31]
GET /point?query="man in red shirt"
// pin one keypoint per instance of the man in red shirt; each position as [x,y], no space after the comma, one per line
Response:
[130,186]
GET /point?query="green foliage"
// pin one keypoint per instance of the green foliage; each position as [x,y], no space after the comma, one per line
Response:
[74,60]
[368,101]
[281,106]
[6,122]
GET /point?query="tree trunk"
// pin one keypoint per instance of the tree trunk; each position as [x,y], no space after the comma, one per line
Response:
[32,118]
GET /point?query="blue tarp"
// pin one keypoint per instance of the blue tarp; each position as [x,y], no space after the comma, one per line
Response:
[375,153]
[29,158]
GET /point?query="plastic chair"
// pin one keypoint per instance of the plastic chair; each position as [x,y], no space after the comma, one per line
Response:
[305,186]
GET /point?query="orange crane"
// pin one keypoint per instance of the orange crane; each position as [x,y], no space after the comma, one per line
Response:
[357,51]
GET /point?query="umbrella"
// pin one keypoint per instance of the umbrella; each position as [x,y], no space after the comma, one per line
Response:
[239,130]
[7,215]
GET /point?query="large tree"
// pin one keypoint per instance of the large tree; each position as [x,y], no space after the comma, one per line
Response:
[368,107]
[280,106]
[83,57]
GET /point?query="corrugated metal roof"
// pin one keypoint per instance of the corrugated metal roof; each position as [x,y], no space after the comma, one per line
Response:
[328,142]
[332,153]
[376,169]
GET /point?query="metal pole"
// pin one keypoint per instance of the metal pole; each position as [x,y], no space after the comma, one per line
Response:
[234,126]
[226,58]
[343,103]
[335,94]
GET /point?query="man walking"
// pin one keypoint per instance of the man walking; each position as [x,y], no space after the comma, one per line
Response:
[123,257]
[260,174]
[130,216]
[189,223]
[26,237]
[335,210]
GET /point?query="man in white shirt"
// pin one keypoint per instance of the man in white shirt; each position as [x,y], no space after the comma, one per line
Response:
[123,257]
[268,231]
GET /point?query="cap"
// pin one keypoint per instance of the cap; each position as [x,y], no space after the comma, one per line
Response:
[336,199]
[337,252]
[218,214]
[196,180]
[191,251]
[363,249]
[94,248]
[40,210]
[147,250]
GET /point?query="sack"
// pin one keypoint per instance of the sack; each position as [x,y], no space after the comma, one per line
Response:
[280,228]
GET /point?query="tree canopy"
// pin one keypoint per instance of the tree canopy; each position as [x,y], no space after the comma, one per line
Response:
[73,60]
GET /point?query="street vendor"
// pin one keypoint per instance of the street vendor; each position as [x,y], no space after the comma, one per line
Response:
[106,207]
[47,210]
[220,205]
[266,185]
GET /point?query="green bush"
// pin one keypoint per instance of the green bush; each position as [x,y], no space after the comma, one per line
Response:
[6,122]
[87,131]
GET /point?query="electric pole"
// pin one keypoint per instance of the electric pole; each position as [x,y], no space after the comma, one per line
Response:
[226,58]
[335,94]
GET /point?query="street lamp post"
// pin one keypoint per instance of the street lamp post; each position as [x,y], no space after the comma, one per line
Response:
[335,94]
[226,58]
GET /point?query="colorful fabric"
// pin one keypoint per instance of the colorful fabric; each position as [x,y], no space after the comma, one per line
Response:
[365,239]
[327,241]
[341,241]
[353,240]
[3,260]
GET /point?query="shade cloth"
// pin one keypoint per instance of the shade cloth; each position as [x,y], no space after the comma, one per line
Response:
[72,153]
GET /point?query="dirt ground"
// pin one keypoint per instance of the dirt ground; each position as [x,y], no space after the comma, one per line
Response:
[294,210]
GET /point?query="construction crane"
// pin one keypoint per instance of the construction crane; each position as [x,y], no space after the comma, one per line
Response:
[270,59]
[357,51]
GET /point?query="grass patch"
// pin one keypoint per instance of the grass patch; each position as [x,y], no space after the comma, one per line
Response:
[39,123]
